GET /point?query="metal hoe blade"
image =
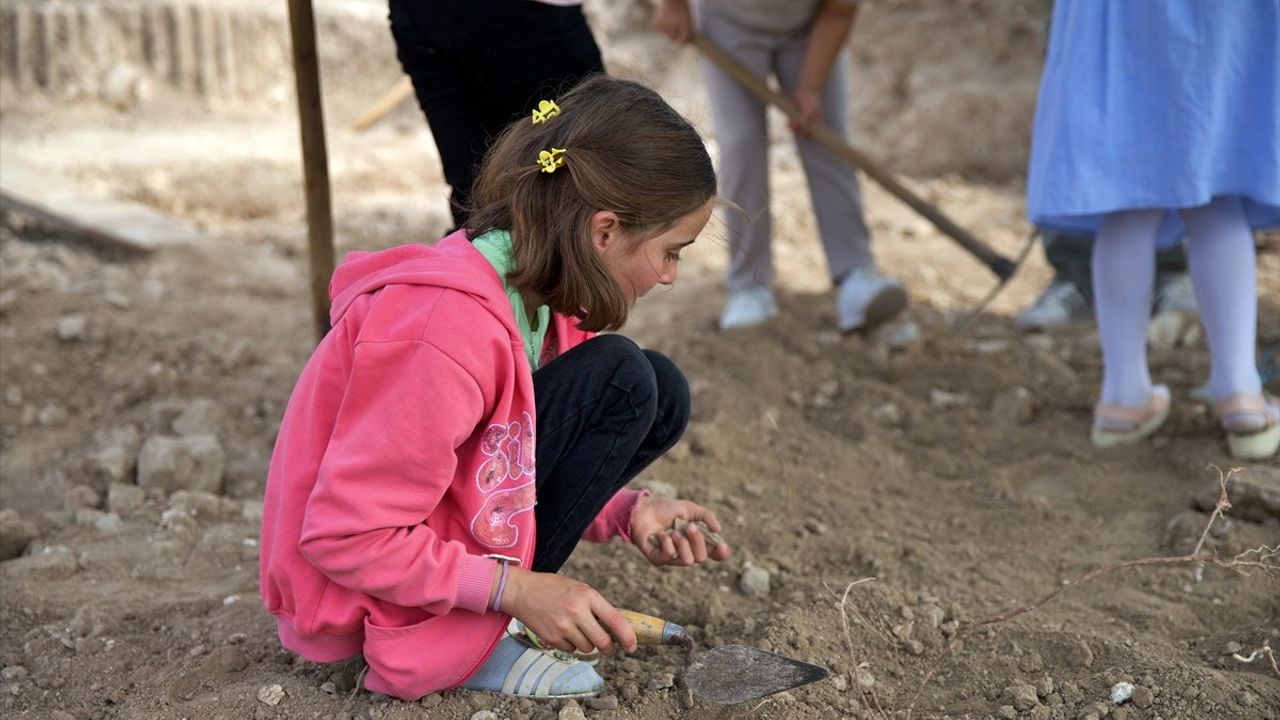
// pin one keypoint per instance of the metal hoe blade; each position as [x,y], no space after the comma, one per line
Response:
[736,673]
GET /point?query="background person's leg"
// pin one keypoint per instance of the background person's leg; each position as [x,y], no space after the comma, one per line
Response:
[606,409]
[1123,279]
[1223,271]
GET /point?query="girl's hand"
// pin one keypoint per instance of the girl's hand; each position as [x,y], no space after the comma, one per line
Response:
[651,520]
[809,104]
[673,19]
[566,614]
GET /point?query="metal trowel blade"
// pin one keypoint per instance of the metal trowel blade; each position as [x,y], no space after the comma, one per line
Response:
[737,673]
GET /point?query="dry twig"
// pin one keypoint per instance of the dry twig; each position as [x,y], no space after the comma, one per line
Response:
[1263,651]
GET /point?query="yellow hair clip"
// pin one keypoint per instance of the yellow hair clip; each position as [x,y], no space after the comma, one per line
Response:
[546,110]
[551,159]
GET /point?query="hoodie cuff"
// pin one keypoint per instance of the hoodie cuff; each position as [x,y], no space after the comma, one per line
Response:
[622,516]
[475,579]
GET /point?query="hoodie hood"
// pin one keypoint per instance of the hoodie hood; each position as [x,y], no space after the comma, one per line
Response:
[451,263]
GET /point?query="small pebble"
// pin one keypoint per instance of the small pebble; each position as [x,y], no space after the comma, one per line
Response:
[270,694]
[1121,693]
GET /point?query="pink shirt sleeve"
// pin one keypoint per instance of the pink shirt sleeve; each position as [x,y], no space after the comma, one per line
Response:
[614,519]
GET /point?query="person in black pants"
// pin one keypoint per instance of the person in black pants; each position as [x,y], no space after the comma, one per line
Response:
[476,65]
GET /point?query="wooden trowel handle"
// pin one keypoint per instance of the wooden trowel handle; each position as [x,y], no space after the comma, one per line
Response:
[651,630]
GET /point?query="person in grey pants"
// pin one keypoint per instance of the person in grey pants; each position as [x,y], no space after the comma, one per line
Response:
[800,42]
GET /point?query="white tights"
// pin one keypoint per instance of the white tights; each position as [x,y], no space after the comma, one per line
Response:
[1220,254]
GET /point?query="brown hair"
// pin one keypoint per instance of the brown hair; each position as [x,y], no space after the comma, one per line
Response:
[626,151]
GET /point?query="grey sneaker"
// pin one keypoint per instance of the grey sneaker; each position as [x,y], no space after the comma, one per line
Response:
[1059,305]
[1174,294]
[748,308]
[866,298]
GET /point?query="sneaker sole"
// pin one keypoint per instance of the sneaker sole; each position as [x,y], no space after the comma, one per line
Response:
[1255,446]
[884,306]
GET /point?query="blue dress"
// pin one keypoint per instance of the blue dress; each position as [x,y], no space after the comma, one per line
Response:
[1157,104]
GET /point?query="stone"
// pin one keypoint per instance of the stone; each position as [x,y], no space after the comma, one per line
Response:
[754,582]
[71,327]
[13,672]
[944,399]
[1143,697]
[603,703]
[194,462]
[1079,654]
[1006,712]
[125,499]
[201,417]
[1250,500]
[431,700]
[485,715]
[55,562]
[1022,697]
[888,415]
[901,336]
[81,496]
[15,533]
[1121,692]
[1040,712]
[1015,407]
[571,711]
[111,464]
[271,694]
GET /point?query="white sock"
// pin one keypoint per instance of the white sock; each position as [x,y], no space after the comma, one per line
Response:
[1222,261]
[1124,270]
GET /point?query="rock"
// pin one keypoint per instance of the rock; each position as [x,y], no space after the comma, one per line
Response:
[1244,698]
[124,86]
[888,415]
[840,682]
[271,694]
[81,496]
[754,581]
[125,499]
[1006,712]
[572,711]
[201,417]
[227,659]
[111,464]
[1045,686]
[71,327]
[55,562]
[662,681]
[1121,693]
[328,688]
[944,399]
[51,415]
[900,336]
[1079,655]
[864,679]
[13,672]
[1015,407]
[1022,697]
[193,462]
[490,715]
[1040,712]
[1169,329]
[603,703]
[431,700]
[1250,500]
[15,533]
[1143,697]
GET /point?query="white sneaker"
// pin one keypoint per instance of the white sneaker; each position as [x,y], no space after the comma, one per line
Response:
[1060,304]
[748,308]
[866,298]
[1174,294]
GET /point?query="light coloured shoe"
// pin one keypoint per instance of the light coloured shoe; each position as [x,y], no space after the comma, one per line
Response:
[519,631]
[1060,304]
[866,299]
[748,308]
[1252,423]
[518,670]
[1174,293]
[1126,424]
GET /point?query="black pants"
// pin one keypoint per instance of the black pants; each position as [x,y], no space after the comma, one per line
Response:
[606,409]
[1071,257]
[476,65]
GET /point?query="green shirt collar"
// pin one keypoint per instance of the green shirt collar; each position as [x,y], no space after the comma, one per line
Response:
[495,246]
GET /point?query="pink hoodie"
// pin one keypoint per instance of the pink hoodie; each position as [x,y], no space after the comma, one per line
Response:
[406,455]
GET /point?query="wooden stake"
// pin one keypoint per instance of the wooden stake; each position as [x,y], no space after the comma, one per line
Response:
[315,159]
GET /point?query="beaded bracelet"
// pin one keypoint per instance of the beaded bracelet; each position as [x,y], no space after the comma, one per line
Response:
[502,585]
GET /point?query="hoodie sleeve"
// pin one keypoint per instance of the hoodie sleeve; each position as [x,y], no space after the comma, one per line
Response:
[392,455]
[614,519]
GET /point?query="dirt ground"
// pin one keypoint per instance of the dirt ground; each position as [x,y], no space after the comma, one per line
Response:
[948,469]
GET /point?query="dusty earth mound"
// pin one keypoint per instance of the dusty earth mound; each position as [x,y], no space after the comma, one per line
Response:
[947,470]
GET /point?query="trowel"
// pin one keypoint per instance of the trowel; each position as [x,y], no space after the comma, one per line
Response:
[727,674]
